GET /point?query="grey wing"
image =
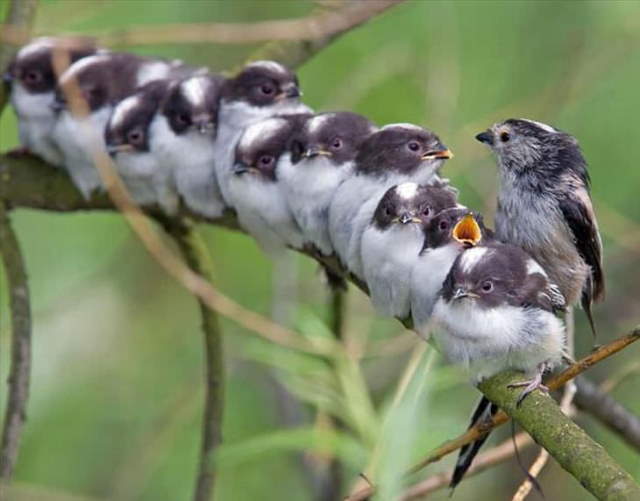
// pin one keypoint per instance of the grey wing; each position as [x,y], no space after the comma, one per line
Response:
[538,292]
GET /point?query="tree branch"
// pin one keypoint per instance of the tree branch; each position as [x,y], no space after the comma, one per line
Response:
[19,372]
[197,258]
[570,446]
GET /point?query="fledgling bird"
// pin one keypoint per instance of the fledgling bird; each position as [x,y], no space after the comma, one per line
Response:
[445,236]
[393,155]
[103,80]
[254,188]
[33,81]
[496,312]
[127,137]
[261,90]
[544,205]
[322,157]
[392,242]
[182,138]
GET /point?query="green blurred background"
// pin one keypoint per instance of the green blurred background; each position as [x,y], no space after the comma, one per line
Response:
[116,398]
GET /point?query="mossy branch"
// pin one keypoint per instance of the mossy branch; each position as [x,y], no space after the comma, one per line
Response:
[571,447]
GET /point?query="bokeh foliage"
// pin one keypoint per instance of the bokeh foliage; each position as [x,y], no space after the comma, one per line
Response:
[117,387]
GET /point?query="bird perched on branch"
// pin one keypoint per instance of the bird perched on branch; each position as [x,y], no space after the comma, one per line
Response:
[545,207]
[322,157]
[255,190]
[33,82]
[261,90]
[127,137]
[395,154]
[444,237]
[182,137]
[393,239]
[101,81]
[496,312]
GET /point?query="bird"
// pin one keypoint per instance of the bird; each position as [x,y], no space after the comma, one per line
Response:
[127,138]
[392,241]
[544,206]
[496,311]
[102,80]
[322,157]
[33,81]
[445,236]
[182,136]
[255,190]
[395,154]
[262,89]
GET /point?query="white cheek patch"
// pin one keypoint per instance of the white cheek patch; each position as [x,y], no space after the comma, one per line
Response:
[317,122]
[194,89]
[407,190]
[542,126]
[123,109]
[403,126]
[261,130]
[268,65]
[471,257]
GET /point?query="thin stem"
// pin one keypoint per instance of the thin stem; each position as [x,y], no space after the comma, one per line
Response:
[197,258]
[20,369]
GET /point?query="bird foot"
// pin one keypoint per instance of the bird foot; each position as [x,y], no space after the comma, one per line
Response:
[532,384]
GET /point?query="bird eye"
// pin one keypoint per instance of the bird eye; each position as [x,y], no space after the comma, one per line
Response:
[266,160]
[487,286]
[267,89]
[32,76]
[387,212]
[413,146]
[444,225]
[504,137]
[183,119]
[337,143]
[134,137]
[426,211]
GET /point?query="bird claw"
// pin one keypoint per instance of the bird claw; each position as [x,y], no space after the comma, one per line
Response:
[532,384]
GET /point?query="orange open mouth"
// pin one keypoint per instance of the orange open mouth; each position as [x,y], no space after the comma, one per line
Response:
[467,231]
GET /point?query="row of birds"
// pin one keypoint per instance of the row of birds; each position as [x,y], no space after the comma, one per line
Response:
[337,182]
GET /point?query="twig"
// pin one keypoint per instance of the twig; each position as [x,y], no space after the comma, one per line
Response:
[316,30]
[20,14]
[197,258]
[20,370]
[501,417]
[499,454]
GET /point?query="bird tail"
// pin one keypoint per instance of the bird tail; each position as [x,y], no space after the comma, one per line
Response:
[484,411]
[587,301]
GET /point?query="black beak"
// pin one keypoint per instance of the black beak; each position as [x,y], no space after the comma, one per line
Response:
[292,92]
[58,105]
[406,218]
[239,169]
[485,137]
[7,77]
[460,293]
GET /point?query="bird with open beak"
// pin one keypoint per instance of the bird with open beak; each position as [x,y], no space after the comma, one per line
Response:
[391,243]
[444,237]
[261,90]
[393,155]
[101,81]
[182,138]
[128,142]
[322,157]
[544,205]
[496,311]
[33,81]
[255,189]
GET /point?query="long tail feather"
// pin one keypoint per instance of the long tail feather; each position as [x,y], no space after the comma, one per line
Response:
[484,410]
